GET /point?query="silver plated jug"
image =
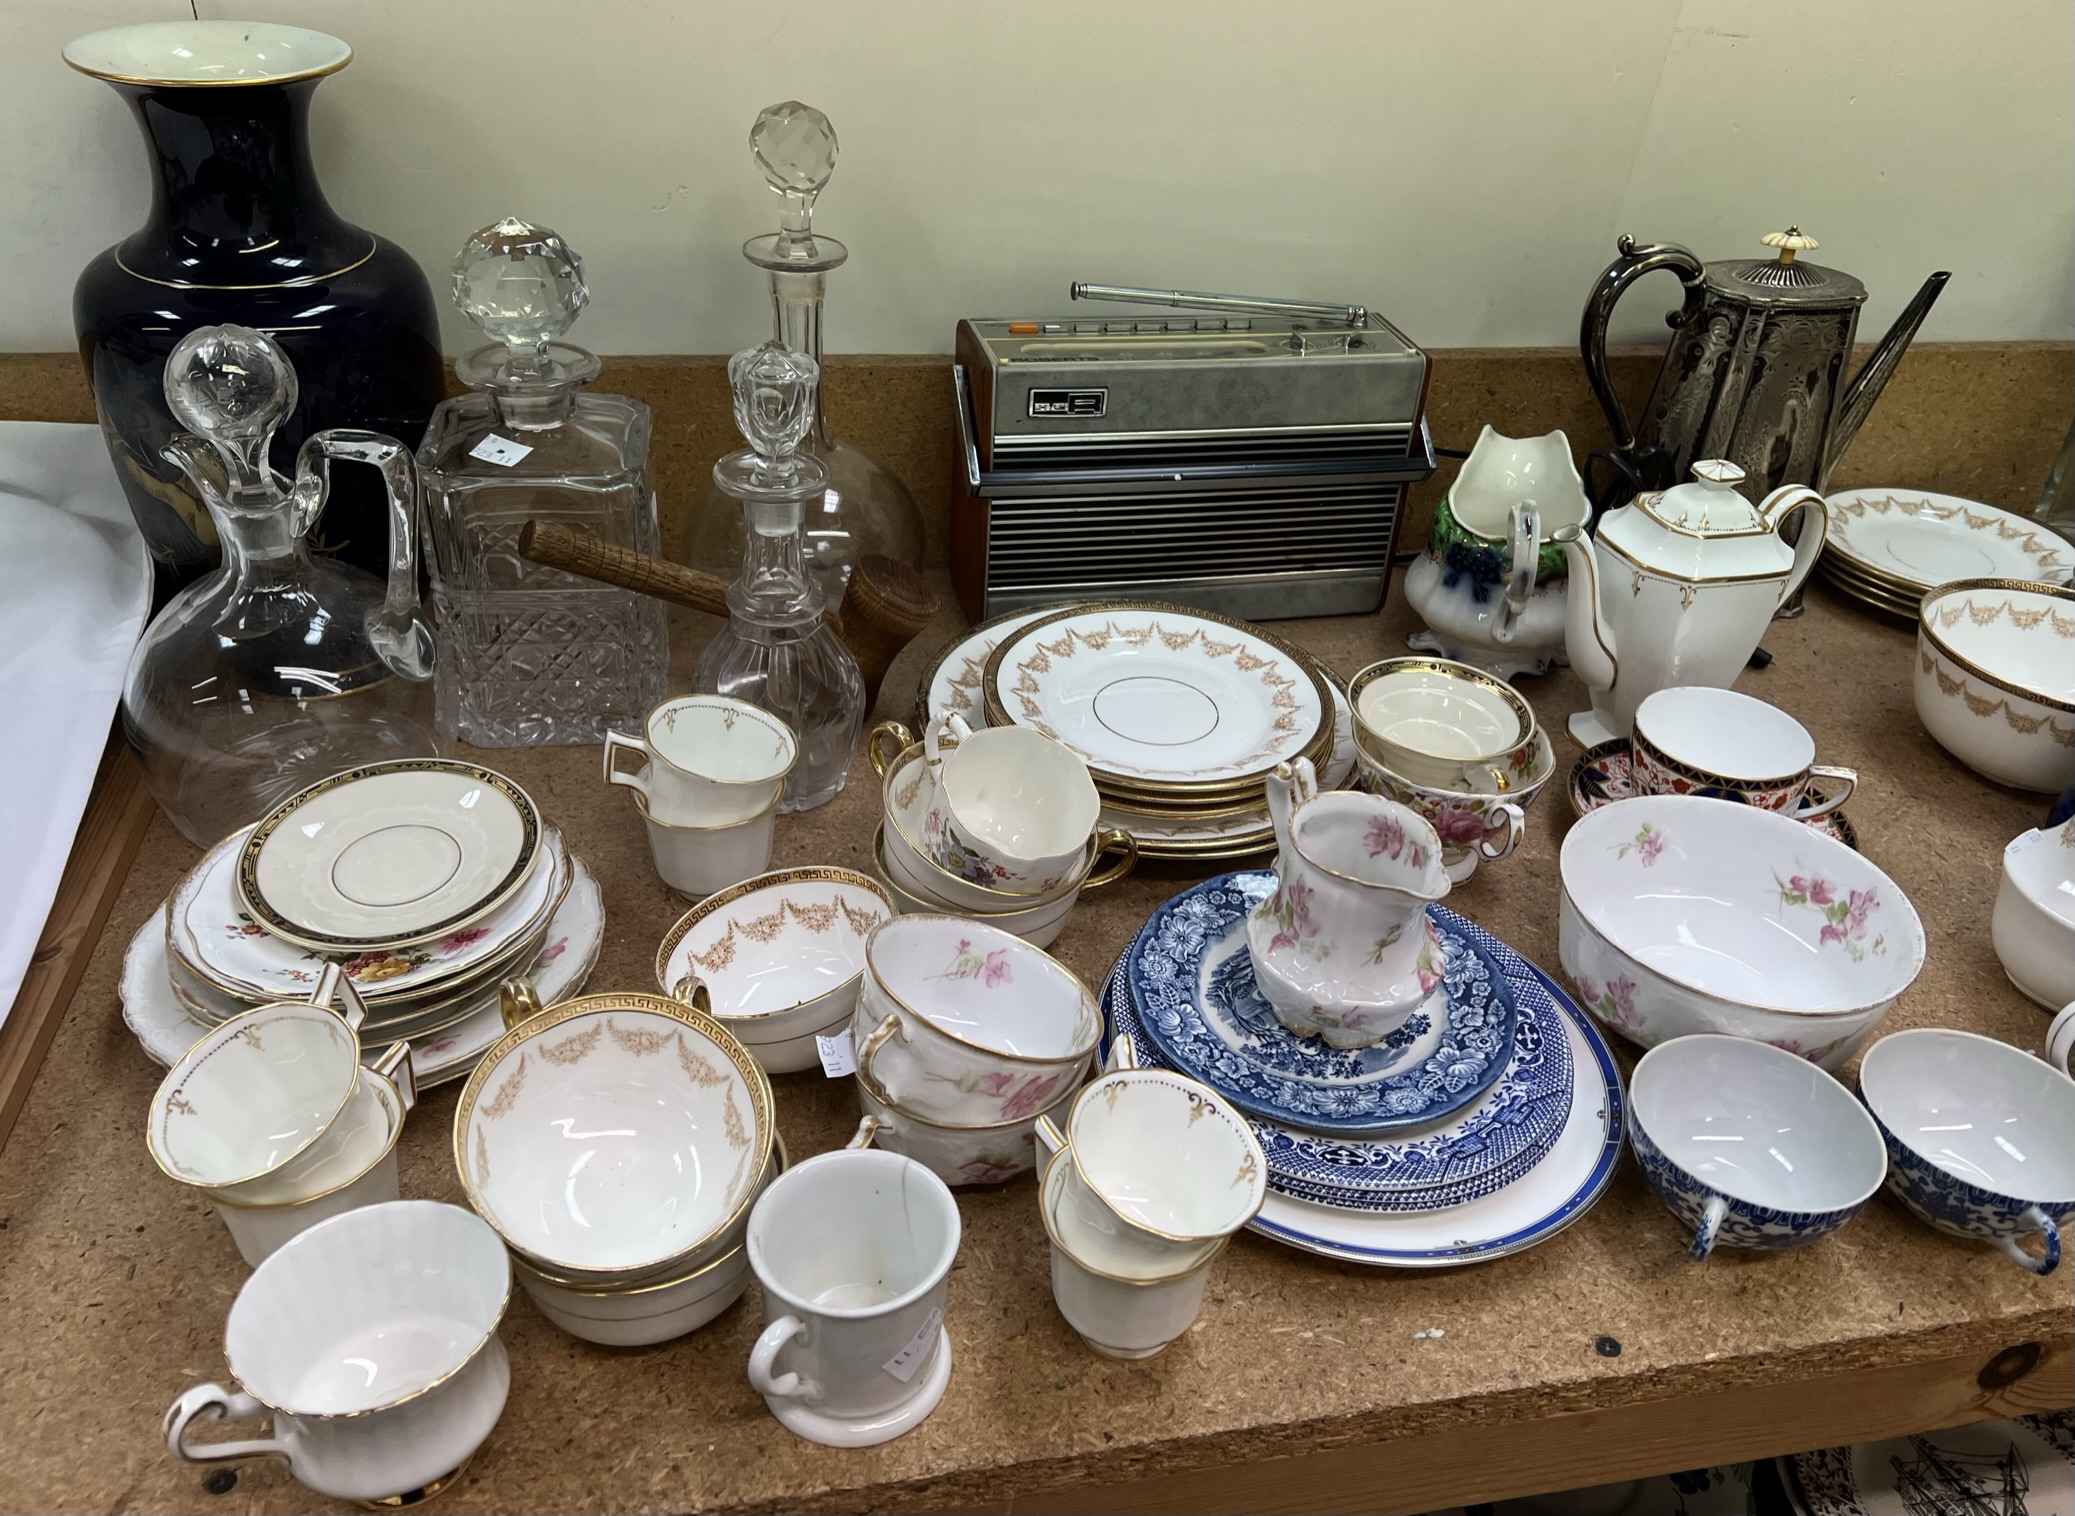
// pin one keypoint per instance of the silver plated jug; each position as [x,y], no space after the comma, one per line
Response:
[1754,373]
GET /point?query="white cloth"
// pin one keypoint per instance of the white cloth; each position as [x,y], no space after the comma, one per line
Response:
[75,590]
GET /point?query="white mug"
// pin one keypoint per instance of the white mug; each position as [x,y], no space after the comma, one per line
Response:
[1118,1315]
[854,1249]
[363,1174]
[697,861]
[1009,808]
[703,760]
[371,1340]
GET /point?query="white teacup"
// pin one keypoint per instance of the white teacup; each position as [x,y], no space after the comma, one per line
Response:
[371,1341]
[695,861]
[853,1249]
[703,760]
[362,1172]
[255,1097]
[958,1155]
[1447,725]
[1158,1167]
[1009,808]
[2060,1041]
[966,1024]
[1118,1315]
[1695,740]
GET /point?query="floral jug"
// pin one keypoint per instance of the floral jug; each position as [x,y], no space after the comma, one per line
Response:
[1344,949]
[1490,585]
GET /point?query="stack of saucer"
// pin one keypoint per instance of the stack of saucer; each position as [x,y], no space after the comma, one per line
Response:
[1888,548]
[427,882]
[617,1143]
[1490,1121]
[1180,715]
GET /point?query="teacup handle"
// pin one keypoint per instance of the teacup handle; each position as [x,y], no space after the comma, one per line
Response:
[335,992]
[2049,1232]
[1710,1223]
[764,1356]
[1125,846]
[2060,1040]
[897,736]
[218,1404]
[867,1129]
[1520,580]
[934,741]
[885,1032]
[517,1001]
[618,744]
[1123,1054]
[1842,782]
[1049,1137]
[395,1065]
[1504,835]
[691,990]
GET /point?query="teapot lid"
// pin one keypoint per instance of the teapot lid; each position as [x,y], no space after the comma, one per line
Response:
[1784,279]
[1711,506]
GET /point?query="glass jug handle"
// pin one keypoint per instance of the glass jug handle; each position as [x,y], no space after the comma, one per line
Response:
[397,627]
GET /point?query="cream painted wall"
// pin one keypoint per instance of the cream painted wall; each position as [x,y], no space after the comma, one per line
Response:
[1462,165]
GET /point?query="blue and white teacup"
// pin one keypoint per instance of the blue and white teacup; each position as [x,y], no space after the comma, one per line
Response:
[1980,1137]
[1750,1146]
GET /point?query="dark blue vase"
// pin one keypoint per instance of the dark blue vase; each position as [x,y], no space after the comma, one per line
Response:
[241,232]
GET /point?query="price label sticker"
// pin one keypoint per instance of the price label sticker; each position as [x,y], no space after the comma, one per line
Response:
[910,1358]
[501,451]
[838,1056]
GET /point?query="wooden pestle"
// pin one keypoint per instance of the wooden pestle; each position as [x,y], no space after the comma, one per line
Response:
[890,601]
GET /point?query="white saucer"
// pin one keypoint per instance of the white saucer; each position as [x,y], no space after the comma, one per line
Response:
[389,855]
[868,1431]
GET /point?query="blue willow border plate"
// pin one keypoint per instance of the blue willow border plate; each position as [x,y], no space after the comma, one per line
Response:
[1191,979]
[1447,1163]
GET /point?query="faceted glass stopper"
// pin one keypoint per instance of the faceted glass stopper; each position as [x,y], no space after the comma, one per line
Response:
[521,283]
[774,405]
[232,387]
[795,146]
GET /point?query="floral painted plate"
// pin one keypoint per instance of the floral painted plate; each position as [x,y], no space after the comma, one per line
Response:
[1605,775]
[2027,1464]
[1475,1152]
[165,1030]
[218,939]
[1192,981]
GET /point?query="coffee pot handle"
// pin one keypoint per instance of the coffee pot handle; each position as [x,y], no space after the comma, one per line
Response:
[1633,260]
[1774,510]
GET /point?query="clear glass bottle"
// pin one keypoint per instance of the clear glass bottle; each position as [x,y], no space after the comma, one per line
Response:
[864,508]
[279,668]
[776,650]
[531,655]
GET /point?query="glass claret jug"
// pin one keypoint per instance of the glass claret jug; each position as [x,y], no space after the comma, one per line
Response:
[279,668]
[529,654]
[776,650]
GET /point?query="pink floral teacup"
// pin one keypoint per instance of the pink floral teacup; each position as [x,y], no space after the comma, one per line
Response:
[965,1024]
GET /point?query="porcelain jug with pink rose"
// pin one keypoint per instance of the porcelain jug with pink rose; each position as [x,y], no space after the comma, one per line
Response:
[1344,949]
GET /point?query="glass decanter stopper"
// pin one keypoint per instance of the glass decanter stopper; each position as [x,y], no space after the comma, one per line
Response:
[776,650]
[864,508]
[280,667]
[532,655]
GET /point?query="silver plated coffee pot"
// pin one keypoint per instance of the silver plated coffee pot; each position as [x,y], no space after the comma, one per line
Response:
[1755,372]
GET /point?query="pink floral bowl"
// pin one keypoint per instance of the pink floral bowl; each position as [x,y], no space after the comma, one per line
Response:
[963,1024]
[1681,914]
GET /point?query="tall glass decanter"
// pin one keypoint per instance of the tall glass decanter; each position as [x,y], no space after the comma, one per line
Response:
[279,668]
[776,650]
[864,508]
[531,655]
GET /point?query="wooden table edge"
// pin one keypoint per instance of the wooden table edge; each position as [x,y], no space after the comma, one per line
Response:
[118,813]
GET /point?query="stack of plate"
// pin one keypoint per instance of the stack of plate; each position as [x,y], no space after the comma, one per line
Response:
[428,882]
[1488,1123]
[1888,548]
[1180,715]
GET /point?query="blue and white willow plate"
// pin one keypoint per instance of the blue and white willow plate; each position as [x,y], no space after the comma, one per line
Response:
[1192,983]
[1447,1163]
